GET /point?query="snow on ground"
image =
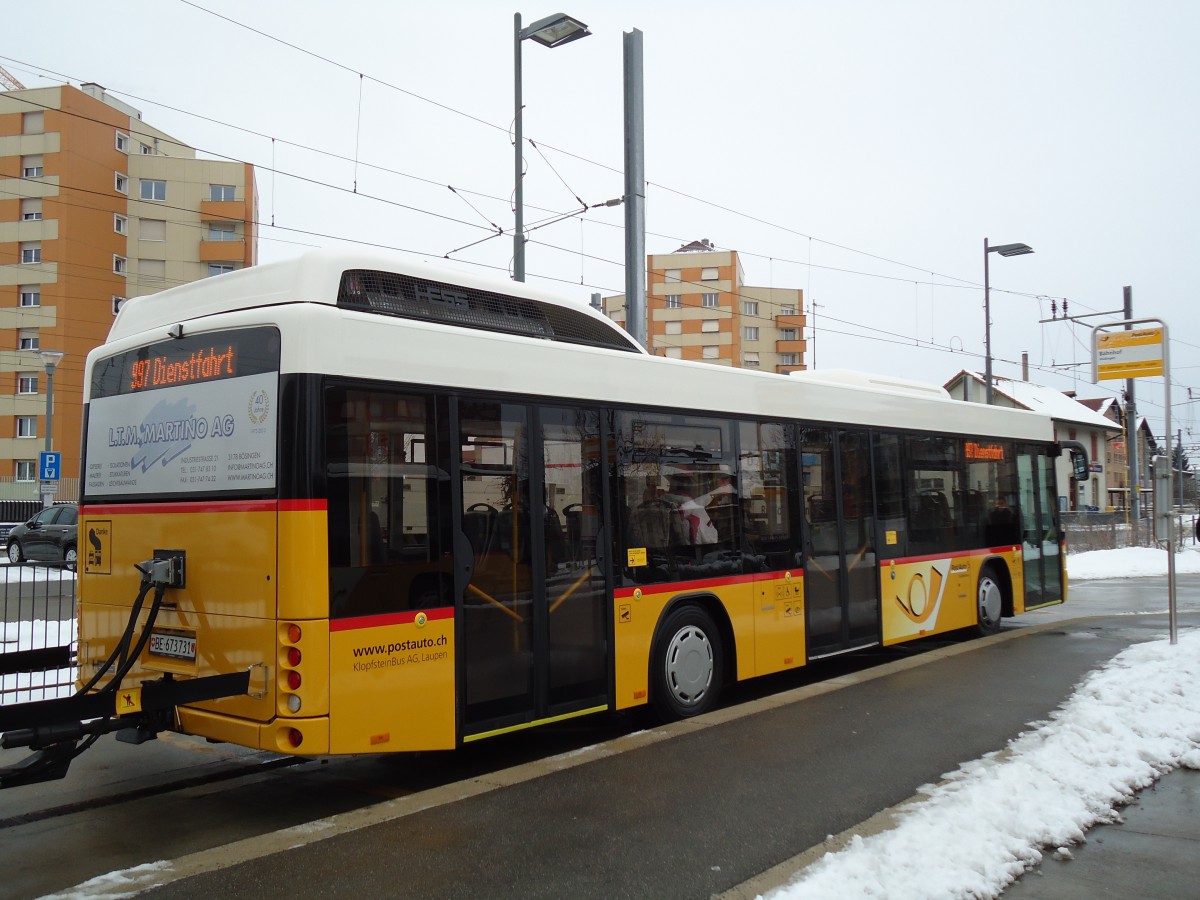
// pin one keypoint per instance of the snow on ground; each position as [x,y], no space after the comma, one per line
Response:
[1131,562]
[1127,724]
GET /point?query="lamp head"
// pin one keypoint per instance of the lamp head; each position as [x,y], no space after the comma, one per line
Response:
[50,359]
[1011,249]
[555,30]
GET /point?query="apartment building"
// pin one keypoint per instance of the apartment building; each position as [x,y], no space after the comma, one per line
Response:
[96,206]
[699,307]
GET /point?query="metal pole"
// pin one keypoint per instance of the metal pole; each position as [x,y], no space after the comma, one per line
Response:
[49,410]
[1131,431]
[635,191]
[519,192]
[1170,519]
[987,327]
[46,501]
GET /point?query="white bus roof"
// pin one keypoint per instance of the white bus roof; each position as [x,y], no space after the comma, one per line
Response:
[300,297]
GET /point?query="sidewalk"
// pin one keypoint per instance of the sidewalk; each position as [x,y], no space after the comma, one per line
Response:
[1154,852]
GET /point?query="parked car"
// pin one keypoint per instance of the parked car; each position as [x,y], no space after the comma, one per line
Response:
[50,536]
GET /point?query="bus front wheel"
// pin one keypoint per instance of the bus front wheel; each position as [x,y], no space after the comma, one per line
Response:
[687,667]
[990,602]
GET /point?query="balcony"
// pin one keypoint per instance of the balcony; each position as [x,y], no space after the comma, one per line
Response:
[222,251]
[797,346]
[795,320]
[222,210]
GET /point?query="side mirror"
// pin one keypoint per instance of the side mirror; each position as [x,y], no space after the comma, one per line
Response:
[1079,465]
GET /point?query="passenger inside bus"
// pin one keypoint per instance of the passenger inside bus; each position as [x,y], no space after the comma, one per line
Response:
[1001,523]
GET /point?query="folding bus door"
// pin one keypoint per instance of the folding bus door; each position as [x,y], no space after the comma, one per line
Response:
[1041,539]
[840,580]
[534,639]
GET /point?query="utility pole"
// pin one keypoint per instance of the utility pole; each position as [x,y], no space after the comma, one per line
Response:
[635,190]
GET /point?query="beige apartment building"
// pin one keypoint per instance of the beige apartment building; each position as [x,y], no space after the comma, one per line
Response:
[96,206]
[700,308]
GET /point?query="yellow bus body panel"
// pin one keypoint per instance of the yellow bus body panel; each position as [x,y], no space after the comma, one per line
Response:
[391,682]
[765,612]
[935,595]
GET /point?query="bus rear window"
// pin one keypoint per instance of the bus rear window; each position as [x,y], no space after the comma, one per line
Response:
[197,414]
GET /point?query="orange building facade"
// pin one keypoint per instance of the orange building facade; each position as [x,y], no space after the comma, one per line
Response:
[96,206]
[700,308]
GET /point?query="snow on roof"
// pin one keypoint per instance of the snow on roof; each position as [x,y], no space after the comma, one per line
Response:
[1049,401]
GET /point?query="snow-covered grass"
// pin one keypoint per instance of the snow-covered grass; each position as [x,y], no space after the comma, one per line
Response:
[1131,562]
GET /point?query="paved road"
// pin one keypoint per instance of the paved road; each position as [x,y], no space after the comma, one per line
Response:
[690,810]
[695,809]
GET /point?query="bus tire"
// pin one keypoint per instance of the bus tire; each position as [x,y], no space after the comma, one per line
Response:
[686,664]
[989,601]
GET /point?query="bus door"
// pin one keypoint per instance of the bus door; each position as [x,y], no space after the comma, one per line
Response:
[533,635]
[840,578]
[1041,540]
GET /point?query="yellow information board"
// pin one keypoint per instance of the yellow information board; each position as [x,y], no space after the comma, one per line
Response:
[1129,354]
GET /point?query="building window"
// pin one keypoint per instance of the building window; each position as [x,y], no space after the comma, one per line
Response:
[749,308]
[117,303]
[710,325]
[674,328]
[750,360]
[153,189]
[27,383]
[155,269]
[121,183]
[787,310]
[33,123]
[30,295]
[120,224]
[31,166]
[674,301]
[710,352]
[122,142]
[787,334]
[221,192]
[31,252]
[789,359]
[26,426]
[672,274]
[222,231]
[709,273]
[709,301]
[152,229]
[31,210]
[673,352]
[750,333]
[26,469]
[27,339]
[146,149]
[219,268]
[120,264]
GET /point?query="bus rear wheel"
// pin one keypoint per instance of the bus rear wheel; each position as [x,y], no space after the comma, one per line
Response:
[990,602]
[687,665]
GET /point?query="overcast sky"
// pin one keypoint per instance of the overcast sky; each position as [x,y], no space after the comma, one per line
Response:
[859,151]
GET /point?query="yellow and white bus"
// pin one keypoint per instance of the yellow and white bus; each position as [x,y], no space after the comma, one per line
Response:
[411,509]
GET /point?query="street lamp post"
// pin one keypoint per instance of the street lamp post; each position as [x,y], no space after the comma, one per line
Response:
[552,31]
[50,360]
[1003,250]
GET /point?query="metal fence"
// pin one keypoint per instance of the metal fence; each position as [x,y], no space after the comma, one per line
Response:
[37,640]
[1112,530]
